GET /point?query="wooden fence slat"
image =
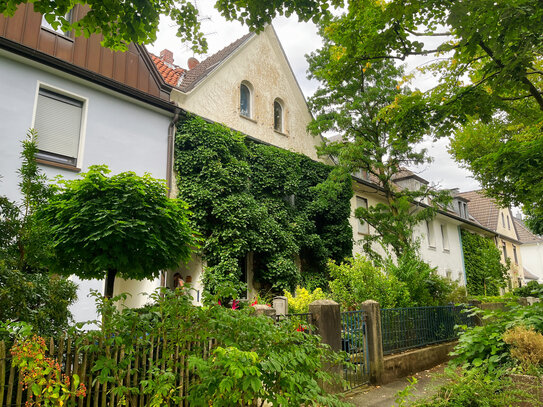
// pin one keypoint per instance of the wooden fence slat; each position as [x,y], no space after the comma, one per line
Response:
[11,380]
[116,361]
[2,371]
[19,395]
[143,372]
[69,359]
[82,371]
[60,350]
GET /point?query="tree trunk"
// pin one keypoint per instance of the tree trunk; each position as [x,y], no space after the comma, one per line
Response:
[110,281]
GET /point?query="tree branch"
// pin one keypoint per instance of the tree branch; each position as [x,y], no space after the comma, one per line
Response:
[428,34]
[531,87]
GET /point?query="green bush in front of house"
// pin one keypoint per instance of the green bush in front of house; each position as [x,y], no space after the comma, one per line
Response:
[249,197]
[211,355]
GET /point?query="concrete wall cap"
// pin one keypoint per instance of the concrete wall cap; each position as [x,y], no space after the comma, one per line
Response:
[323,302]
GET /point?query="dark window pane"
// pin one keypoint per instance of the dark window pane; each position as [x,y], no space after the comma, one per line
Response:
[245,101]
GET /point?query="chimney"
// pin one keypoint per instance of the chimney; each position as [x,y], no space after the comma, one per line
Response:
[167,56]
[192,63]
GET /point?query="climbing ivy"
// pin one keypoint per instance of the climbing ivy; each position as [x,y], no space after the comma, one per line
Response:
[250,197]
[484,271]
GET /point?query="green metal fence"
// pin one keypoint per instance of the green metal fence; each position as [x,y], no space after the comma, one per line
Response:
[407,328]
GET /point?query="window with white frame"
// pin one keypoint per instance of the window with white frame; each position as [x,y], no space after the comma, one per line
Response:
[445,238]
[278,116]
[431,234]
[58,123]
[363,227]
[245,101]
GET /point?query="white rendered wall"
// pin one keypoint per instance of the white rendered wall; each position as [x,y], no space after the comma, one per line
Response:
[532,258]
[120,133]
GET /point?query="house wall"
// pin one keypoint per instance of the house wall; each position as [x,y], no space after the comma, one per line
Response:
[448,261]
[515,270]
[532,258]
[119,133]
[262,63]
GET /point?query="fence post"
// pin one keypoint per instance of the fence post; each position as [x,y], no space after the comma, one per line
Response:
[262,309]
[326,318]
[375,340]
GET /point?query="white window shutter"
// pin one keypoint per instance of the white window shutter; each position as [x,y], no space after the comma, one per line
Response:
[58,123]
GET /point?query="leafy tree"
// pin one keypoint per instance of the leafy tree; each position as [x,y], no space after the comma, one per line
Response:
[126,22]
[38,298]
[379,120]
[120,225]
[28,293]
[488,60]
[484,271]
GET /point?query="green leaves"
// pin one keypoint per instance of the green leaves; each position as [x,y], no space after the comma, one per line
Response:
[484,271]
[247,197]
[122,23]
[124,222]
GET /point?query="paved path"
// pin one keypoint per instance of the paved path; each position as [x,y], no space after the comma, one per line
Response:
[428,383]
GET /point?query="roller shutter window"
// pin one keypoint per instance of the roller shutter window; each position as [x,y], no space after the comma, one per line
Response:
[58,123]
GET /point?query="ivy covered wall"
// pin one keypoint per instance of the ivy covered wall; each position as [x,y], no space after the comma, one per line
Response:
[250,197]
[484,271]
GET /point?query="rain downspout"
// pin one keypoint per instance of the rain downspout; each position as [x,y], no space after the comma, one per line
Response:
[169,169]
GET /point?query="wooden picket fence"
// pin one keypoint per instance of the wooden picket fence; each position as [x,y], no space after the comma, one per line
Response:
[75,360]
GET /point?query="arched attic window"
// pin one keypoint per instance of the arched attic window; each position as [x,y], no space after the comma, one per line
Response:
[278,116]
[245,99]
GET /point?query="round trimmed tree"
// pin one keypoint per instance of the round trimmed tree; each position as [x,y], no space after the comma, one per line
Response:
[121,225]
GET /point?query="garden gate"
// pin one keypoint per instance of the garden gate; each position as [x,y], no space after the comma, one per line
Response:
[354,341]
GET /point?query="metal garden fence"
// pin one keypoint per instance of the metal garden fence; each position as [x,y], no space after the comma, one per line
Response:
[407,328]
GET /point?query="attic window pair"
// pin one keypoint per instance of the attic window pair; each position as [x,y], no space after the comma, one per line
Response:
[246,103]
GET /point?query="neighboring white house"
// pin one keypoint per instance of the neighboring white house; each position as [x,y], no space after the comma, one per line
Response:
[89,106]
[531,252]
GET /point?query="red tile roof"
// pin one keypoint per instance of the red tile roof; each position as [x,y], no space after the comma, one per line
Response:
[171,73]
[204,68]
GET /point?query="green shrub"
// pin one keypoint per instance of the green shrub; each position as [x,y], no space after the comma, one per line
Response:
[474,388]
[357,280]
[299,303]
[532,289]
[506,298]
[425,286]
[484,345]
[249,357]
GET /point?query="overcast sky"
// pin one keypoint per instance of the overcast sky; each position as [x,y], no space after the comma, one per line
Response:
[299,39]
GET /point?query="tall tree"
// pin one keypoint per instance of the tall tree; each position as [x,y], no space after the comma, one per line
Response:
[380,122]
[28,292]
[488,59]
[123,22]
[120,225]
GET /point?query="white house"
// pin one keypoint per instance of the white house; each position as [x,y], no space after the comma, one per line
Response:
[89,106]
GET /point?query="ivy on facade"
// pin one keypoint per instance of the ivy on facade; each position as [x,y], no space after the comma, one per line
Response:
[247,197]
[484,271]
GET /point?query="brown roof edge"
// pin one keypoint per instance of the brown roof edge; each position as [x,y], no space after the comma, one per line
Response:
[83,73]
[153,69]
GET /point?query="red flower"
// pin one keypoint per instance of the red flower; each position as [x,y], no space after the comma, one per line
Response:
[235,304]
[254,302]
